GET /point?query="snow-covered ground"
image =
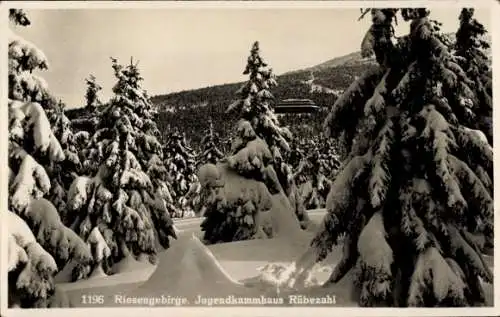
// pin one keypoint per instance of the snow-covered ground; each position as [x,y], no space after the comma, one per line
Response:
[187,268]
[236,260]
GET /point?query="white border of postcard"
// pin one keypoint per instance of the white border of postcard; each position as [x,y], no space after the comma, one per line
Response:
[494,6]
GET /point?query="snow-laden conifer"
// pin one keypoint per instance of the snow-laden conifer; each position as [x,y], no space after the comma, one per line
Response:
[126,196]
[39,242]
[413,200]
[210,151]
[471,49]
[180,161]
[63,173]
[258,152]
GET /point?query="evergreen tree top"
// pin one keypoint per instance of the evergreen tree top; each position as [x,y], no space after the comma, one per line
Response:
[19,17]
[130,108]
[92,99]
[211,136]
[92,82]
[210,152]
[129,74]
[470,43]
[254,61]
[255,96]
[474,27]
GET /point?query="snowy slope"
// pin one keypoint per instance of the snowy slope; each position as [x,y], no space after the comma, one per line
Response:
[241,261]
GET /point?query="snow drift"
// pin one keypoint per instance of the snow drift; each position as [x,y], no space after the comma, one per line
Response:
[188,268]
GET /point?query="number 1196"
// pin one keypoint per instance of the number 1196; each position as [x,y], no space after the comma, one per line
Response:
[92,299]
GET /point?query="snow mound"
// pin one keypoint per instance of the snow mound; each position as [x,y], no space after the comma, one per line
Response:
[130,264]
[187,268]
[283,219]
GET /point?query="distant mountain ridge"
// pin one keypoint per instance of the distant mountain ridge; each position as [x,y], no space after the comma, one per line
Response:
[189,110]
[322,83]
[344,60]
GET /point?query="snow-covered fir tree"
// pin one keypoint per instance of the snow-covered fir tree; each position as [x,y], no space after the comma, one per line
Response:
[181,166]
[39,243]
[471,49]
[258,152]
[92,94]
[255,107]
[210,152]
[88,120]
[192,203]
[413,201]
[63,173]
[121,207]
[89,117]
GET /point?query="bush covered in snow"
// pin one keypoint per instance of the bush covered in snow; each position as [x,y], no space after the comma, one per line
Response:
[232,205]
[414,199]
[126,197]
[39,243]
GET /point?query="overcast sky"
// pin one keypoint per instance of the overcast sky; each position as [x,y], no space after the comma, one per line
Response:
[182,49]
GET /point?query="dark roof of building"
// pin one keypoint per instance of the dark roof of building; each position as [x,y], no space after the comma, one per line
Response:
[296,106]
[297,101]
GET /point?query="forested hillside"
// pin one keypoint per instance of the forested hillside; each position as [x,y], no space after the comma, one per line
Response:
[193,107]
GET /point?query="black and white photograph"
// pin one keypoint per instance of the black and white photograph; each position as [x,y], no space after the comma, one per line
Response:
[247,156]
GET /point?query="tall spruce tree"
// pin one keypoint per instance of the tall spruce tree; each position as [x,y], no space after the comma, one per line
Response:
[258,120]
[414,198]
[471,49]
[258,152]
[63,173]
[39,243]
[181,166]
[123,206]
[210,152]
